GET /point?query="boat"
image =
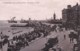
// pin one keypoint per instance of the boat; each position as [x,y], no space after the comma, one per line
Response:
[12,20]
[23,21]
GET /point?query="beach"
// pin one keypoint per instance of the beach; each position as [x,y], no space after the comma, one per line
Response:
[13,31]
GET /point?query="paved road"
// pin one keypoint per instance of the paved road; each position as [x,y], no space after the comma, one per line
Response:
[40,43]
[65,43]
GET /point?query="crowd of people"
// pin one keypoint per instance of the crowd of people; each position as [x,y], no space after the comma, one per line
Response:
[74,38]
[23,40]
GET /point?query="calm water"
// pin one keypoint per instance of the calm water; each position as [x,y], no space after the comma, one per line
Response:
[6,24]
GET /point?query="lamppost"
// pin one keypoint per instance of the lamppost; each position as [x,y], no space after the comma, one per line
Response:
[1,41]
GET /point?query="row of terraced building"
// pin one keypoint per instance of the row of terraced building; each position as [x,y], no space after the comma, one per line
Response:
[71,16]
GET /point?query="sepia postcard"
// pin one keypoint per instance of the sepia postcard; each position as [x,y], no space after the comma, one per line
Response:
[39,25]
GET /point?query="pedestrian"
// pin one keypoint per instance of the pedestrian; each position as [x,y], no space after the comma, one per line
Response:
[75,44]
[71,36]
[64,36]
[70,40]
[9,49]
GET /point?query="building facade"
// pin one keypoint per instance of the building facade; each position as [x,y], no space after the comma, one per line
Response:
[71,16]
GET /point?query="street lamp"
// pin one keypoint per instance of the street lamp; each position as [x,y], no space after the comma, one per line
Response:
[1,34]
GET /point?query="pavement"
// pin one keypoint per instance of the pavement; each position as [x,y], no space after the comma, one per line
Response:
[65,43]
[40,43]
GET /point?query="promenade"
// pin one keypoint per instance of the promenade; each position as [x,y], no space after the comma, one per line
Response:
[11,35]
[38,44]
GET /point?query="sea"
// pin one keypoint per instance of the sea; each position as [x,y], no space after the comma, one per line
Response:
[7,30]
[4,25]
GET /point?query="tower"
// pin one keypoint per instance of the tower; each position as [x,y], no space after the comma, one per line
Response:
[29,19]
[54,16]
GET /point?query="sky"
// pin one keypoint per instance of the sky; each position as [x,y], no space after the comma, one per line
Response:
[34,9]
